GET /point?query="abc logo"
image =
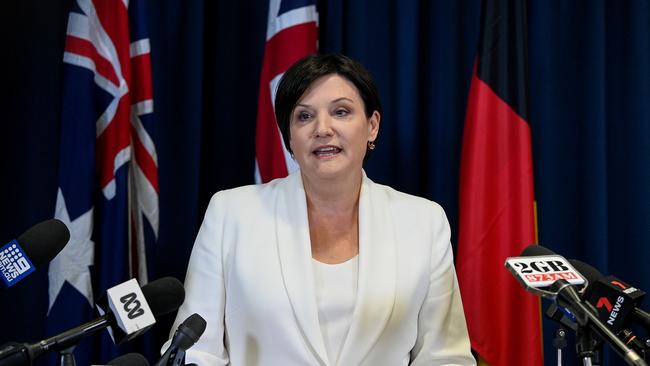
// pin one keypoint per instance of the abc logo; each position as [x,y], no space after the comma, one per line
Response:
[132,305]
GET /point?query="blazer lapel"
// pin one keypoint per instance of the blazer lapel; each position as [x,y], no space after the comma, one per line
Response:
[376,286]
[294,248]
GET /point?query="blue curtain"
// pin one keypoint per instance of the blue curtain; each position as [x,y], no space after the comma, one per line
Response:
[589,112]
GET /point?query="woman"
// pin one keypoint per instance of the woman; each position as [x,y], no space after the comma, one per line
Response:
[325,267]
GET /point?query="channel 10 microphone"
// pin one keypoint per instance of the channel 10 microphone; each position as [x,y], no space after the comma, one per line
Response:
[163,296]
[187,333]
[551,276]
[34,248]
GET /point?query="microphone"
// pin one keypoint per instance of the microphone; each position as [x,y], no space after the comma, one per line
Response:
[129,359]
[607,290]
[553,277]
[163,296]
[617,302]
[133,316]
[537,268]
[34,248]
[128,303]
[185,336]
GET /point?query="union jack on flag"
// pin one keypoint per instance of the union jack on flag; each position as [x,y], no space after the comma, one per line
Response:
[292,33]
[108,175]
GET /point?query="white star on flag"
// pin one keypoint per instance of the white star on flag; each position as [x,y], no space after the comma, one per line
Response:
[73,262]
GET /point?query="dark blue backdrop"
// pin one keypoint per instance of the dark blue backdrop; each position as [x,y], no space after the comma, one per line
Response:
[590,118]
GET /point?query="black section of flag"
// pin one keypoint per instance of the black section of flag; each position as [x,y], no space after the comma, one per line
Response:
[502,62]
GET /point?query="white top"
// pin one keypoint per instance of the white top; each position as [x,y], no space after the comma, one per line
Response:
[336,294]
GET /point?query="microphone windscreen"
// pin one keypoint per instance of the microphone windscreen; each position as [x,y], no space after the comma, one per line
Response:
[193,327]
[536,249]
[164,295]
[129,359]
[590,273]
[43,241]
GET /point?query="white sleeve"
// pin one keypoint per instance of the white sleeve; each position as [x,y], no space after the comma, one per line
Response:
[442,331]
[205,289]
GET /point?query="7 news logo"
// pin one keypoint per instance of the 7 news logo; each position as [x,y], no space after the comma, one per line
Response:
[14,265]
[614,300]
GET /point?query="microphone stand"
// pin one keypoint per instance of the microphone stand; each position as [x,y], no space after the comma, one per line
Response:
[67,357]
[586,347]
[559,342]
[585,314]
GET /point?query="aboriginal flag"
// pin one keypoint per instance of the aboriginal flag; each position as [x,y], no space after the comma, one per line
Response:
[497,212]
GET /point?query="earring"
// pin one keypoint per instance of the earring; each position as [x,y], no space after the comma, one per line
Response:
[371,145]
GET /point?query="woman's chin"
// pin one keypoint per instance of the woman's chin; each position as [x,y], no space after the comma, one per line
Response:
[330,170]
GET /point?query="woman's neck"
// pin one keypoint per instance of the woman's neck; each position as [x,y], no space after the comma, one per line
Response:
[333,214]
[333,197]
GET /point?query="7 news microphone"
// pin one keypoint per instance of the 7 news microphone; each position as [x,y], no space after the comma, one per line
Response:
[552,277]
[617,304]
[34,248]
[131,312]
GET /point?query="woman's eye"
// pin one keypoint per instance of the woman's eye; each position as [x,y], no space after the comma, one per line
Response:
[304,116]
[342,112]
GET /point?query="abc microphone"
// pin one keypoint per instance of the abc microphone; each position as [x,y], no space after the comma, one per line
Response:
[34,248]
[185,336]
[131,311]
[162,297]
[554,278]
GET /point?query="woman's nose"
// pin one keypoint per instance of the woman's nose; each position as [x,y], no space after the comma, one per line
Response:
[323,127]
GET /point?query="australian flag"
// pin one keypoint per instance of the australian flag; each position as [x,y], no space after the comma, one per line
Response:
[292,33]
[108,180]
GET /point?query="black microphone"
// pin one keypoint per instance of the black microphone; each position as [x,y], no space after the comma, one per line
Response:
[185,336]
[129,359]
[617,302]
[163,295]
[34,248]
[607,290]
[553,277]
[134,316]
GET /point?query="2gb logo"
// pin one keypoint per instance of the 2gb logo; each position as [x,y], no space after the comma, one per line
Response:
[132,305]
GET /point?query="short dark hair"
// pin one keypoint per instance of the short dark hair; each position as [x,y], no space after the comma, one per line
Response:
[297,79]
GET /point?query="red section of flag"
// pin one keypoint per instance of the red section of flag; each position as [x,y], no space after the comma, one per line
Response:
[281,51]
[496,221]
[114,19]
[142,86]
[112,141]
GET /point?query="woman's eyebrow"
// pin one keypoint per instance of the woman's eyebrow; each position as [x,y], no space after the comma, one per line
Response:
[340,99]
[332,102]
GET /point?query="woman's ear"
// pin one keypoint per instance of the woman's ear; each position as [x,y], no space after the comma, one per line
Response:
[373,125]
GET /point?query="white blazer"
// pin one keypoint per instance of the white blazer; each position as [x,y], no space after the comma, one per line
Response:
[250,276]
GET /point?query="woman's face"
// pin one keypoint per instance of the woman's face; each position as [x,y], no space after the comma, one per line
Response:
[330,130]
